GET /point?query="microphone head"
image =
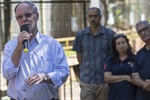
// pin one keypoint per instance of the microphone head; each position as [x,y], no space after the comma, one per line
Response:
[25,50]
[24,28]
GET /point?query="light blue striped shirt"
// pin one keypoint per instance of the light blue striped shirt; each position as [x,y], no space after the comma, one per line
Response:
[45,55]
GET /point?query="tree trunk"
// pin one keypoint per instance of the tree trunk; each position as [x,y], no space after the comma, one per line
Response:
[105,11]
[7,15]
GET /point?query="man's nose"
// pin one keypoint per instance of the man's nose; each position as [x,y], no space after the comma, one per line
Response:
[24,17]
[121,44]
[93,18]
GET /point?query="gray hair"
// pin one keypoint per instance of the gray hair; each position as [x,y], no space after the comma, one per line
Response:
[142,22]
[29,3]
[99,11]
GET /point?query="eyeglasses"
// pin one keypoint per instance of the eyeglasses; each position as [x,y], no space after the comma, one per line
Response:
[143,31]
[26,15]
[119,35]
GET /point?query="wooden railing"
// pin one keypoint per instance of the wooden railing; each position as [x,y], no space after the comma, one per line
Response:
[67,41]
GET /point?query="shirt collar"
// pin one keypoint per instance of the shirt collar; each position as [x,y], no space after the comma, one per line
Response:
[37,37]
[100,30]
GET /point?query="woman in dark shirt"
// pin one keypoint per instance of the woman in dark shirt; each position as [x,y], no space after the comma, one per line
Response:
[118,70]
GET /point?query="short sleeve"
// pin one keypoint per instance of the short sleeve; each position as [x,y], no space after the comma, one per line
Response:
[135,67]
[77,45]
[108,66]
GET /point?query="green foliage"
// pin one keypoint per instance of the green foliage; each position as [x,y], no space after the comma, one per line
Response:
[118,12]
[113,1]
[69,53]
[119,19]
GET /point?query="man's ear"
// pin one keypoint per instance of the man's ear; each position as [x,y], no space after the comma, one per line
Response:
[37,14]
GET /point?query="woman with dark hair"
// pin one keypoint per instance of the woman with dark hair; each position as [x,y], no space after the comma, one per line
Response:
[118,69]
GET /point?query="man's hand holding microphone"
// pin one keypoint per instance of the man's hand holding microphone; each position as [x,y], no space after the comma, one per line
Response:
[24,37]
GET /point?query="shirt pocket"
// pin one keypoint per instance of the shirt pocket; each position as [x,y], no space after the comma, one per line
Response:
[44,64]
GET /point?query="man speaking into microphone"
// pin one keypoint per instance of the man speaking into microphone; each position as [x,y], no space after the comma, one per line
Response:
[38,73]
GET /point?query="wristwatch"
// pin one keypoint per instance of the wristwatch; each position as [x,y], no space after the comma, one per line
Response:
[45,77]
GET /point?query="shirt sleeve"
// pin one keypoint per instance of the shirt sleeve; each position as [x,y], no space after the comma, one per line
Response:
[8,68]
[61,69]
[108,67]
[135,66]
[77,45]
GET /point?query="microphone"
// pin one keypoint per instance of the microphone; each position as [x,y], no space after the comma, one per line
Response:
[25,42]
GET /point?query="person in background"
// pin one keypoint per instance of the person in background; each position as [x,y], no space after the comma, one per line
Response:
[92,47]
[118,70]
[141,70]
[38,73]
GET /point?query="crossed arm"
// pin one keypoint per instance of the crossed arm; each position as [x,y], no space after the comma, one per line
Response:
[116,78]
[141,83]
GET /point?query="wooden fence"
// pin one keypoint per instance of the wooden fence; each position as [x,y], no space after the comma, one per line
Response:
[67,42]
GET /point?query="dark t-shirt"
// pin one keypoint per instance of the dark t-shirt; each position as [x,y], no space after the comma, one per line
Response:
[142,66]
[123,90]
